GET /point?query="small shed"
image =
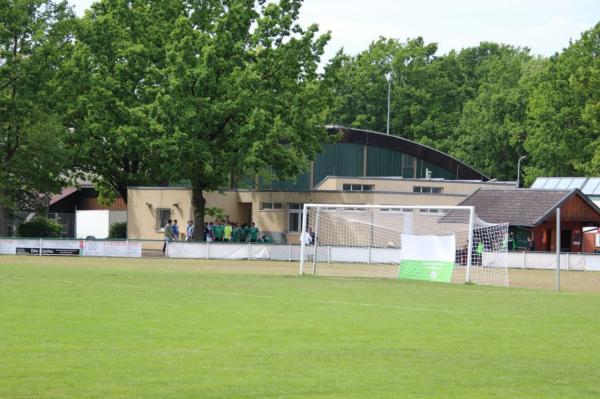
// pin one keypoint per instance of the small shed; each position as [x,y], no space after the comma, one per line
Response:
[531,215]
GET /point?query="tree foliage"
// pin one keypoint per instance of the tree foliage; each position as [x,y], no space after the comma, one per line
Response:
[564,112]
[112,79]
[34,39]
[240,94]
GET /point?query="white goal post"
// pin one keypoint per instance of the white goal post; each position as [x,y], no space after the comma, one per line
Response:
[435,243]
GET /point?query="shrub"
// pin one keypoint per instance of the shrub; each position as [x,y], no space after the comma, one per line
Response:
[39,227]
[118,230]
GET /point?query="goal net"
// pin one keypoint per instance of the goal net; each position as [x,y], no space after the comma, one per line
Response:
[439,243]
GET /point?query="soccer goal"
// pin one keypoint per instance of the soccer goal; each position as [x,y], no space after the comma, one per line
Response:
[434,243]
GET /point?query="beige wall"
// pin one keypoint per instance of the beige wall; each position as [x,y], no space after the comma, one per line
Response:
[143,203]
[239,205]
[406,185]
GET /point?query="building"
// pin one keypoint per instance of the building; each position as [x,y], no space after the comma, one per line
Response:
[531,214]
[72,207]
[589,186]
[363,167]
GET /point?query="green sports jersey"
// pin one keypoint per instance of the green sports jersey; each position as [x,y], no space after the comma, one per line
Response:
[168,231]
[235,234]
[218,231]
[243,234]
[253,231]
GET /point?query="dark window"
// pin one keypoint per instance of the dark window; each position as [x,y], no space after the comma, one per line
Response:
[427,189]
[270,206]
[357,187]
[162,216]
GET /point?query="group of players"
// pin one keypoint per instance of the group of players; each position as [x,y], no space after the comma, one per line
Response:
[220,230]
[230,232]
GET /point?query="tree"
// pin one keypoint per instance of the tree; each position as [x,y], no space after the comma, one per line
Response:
[113,77]
[564,113]
[492,128]
[241,94]
[34,37]
[360,89]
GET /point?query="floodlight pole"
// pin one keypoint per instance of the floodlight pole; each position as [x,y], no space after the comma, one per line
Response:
[519,170]
[557,249]
[388,77]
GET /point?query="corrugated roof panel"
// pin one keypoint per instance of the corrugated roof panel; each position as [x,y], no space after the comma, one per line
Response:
[591,185]
[577,182]
[539,182]
[563,183]
[551,183]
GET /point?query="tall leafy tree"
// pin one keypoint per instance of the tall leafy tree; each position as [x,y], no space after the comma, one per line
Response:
[34,37]
[113,77]
[564,112]
[241,93]
[492,127]
[361,90]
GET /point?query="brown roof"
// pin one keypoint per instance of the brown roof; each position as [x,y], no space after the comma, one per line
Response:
[522,207]
[65,192]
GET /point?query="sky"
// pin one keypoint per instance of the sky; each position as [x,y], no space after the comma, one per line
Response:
[544,26]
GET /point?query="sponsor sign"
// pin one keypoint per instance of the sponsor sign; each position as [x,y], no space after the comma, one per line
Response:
[48,247]
[428,270]
[112,248]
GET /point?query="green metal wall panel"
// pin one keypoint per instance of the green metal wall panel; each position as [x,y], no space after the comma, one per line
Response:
[341,159]
[408,166]
[383,162]
[300,183]
[437,172]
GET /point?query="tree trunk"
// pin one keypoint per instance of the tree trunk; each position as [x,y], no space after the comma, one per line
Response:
[3,221]
[122,190]
[199,204]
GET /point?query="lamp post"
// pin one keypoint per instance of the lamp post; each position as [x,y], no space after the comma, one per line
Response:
[388,77]
[519,170]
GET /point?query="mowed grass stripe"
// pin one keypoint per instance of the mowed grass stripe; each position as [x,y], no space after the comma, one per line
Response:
[135,329]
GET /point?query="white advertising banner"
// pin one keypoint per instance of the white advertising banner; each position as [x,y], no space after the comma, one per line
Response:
[92,223]
[8,247]
[61,247]
[436,248]
[48,247]
[260,251]
[187,250]
[281,252]
[123,249]
[229,251]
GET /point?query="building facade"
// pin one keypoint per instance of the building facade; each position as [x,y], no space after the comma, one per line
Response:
[363,167]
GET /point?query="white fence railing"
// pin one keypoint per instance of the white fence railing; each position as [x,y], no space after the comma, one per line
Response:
[44,247]
[547,260]
[261,251]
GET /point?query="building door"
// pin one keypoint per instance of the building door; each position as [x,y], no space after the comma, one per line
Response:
[565,240]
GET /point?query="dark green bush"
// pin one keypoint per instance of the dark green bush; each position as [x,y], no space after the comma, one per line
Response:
[118,230]
[39,227]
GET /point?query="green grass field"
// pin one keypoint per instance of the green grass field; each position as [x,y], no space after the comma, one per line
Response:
[101,328]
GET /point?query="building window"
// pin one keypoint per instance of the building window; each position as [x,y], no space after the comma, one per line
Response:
[396,210]
[162,216]
[358,187]
[271,206]
[577,237]
[295,217]
[427,189]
